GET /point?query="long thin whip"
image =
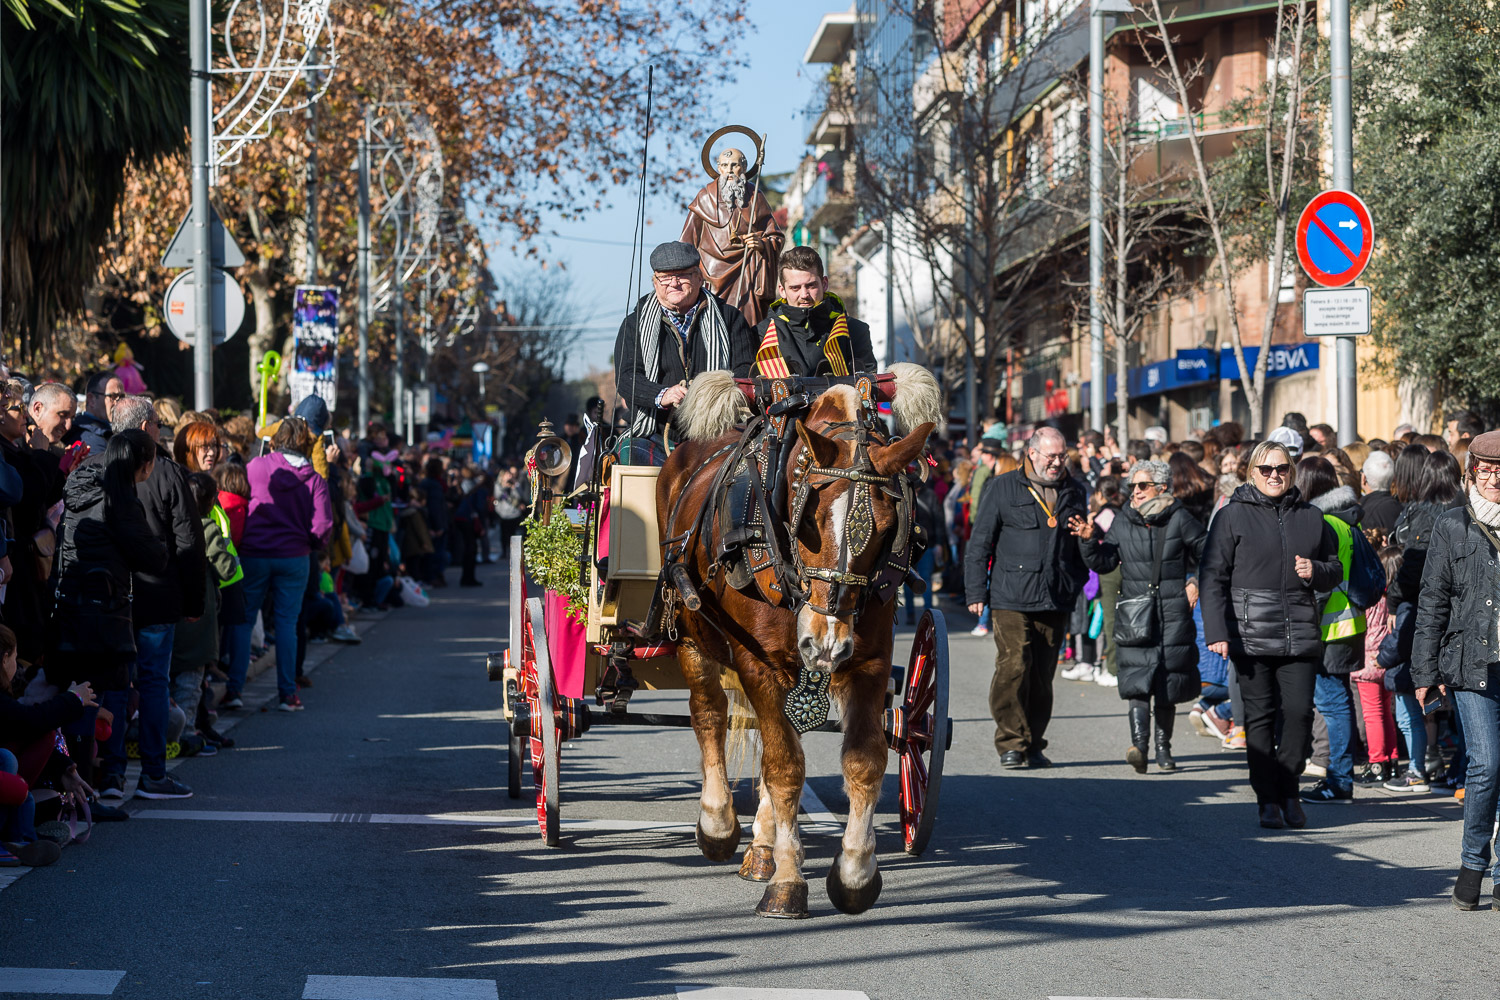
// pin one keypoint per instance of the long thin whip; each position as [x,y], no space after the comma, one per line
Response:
[638,253]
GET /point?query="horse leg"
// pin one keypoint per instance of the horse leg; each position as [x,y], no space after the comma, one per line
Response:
[854,880]
[759,862]
[718,831]
[783,770]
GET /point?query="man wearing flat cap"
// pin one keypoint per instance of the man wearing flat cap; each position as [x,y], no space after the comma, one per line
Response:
[678,331]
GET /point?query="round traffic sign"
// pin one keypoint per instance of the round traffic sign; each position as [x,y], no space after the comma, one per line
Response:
[1334,238]
[228,307]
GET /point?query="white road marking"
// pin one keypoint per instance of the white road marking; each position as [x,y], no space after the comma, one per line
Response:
[1114,998]
[818,816]
[393,988]
[814,807]
[72,982]
[766,993]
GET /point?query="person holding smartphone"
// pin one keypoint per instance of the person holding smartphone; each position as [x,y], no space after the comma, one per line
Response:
[1457,648]
[1268,555]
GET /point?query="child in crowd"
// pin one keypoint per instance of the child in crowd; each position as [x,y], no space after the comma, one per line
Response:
[1394,655]
[1374,697]
[323,610]
[235,620]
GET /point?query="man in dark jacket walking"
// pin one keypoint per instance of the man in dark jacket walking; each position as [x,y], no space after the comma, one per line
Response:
[1022,560]
[159,602]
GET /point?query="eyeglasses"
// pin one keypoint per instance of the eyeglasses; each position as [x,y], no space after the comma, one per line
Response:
[1279,471]
[1138,487]
[1486,474]
[675,280]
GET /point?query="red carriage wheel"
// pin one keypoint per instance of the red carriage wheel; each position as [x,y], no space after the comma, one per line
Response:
[542,722]
[921,731]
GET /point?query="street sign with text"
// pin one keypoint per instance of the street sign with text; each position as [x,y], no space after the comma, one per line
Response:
[1336,312]
[1334,238]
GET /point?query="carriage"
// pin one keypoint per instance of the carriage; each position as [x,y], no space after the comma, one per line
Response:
[562,677]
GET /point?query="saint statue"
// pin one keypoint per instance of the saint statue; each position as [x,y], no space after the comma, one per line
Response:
[730,223]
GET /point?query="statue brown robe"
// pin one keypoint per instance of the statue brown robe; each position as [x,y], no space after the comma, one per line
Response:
[747,281]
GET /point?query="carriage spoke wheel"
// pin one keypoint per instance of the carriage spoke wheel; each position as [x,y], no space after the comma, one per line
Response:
[923,735]
[518,747]
[542,722]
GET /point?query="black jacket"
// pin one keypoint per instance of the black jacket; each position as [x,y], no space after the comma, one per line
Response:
[1014,560]
[640,392]
[1459,607]
[929,515]
[803,350]
[1382,510]
[1131,544]
[91,431]
[1252,596]
[1413,532]
[28,602]
[97,553]
[22,724]
[165,598]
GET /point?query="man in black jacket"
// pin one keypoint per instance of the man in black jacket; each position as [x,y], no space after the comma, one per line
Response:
[807,331]
[678,331]
[159,602]
[1022,560]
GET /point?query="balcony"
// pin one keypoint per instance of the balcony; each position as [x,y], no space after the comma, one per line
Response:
[829,126]
[827,205]
[1172,154]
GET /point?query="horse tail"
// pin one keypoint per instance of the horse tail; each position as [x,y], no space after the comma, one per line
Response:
[742,742]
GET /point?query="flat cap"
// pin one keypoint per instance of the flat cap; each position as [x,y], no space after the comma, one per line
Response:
[1486,446]
[674,256]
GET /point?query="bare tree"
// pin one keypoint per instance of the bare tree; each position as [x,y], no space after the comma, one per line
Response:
[1280,155]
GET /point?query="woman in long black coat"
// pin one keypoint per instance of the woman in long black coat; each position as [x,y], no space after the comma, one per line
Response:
[1156,677]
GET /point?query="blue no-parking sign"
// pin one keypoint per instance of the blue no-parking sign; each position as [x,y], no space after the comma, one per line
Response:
[1334,238]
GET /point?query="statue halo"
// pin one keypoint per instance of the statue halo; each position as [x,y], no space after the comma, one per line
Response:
[708,148]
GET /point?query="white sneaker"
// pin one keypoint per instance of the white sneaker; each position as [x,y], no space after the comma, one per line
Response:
[979,630]
[1105,679]
[1083,671]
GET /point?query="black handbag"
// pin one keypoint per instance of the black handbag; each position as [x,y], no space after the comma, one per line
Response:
[92,616]
[1137,619]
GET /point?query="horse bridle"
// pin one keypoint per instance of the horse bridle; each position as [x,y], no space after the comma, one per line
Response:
[859,527]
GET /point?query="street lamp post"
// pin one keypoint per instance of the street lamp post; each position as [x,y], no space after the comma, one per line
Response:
[201,112]
[1343,179]
[1098,388]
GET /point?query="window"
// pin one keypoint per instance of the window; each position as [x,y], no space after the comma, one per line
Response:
[1067,127]
[1036,176]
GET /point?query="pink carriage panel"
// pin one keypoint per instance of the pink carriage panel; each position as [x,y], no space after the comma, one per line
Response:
[565,644]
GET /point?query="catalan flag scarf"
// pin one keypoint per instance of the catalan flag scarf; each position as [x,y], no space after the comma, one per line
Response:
[837,349]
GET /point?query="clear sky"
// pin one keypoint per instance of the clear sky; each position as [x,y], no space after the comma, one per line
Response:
[769,95]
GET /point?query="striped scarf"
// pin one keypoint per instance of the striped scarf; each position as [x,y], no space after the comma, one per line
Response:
[650,317]
[769,362]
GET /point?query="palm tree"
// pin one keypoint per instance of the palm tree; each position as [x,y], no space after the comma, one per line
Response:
[89,87]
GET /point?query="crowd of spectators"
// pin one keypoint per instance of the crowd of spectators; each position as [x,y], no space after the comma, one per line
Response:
[1330,610]
[149,556]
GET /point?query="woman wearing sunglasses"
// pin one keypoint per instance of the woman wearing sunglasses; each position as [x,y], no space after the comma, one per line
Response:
[1156,543]
[1268,555]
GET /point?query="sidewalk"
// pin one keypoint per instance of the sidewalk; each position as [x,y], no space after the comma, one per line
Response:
[259,696]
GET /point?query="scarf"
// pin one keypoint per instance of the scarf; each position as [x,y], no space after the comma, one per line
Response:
[1482,510]
[837,348]
[649,319]
[1155,505]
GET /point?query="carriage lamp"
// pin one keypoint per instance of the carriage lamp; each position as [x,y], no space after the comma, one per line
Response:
[548,461]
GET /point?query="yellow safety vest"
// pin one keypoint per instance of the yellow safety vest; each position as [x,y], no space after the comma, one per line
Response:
[1341,619]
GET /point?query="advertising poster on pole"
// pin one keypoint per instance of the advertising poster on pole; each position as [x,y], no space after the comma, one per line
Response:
[315,333]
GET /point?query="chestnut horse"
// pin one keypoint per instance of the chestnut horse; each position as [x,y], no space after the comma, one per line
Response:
[768,646]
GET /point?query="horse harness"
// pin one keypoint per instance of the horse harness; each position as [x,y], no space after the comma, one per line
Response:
[752,524]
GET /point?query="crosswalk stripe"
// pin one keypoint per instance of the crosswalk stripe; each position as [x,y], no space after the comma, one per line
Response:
[70,982]
[765,993]
[396,988]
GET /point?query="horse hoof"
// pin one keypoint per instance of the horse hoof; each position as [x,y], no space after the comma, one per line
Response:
[784,900]
[718,848]
[848,900]
[758,865]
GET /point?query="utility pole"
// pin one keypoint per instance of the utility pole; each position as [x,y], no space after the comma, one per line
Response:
[890,293]
[1098,387]
[398,379]
[364,275]
[201,111]
[1343,179]
[311,275]
[1098,383]
[971,393]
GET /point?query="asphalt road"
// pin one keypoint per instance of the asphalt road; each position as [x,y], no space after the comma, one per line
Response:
[365,848]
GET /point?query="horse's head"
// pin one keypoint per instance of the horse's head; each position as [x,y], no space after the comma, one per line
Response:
[845,491]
